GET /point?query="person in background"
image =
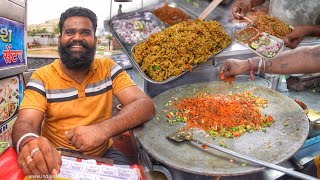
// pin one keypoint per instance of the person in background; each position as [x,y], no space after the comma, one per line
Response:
[120,9]
[300,60]
[303,15]
[70,100]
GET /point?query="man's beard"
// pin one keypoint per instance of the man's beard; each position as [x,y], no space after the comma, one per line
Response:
[76,60]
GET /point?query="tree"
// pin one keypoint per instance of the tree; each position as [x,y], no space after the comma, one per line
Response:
[109,37]
[31,33]
[57,29]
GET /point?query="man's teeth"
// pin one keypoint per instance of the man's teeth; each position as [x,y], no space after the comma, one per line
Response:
[76,46]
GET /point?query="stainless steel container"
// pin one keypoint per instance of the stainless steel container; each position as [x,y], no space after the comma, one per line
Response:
[159,173]
[314,119]
[273,78]
[314,128]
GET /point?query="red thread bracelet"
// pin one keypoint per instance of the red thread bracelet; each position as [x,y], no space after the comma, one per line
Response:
[26,141]
[251,69]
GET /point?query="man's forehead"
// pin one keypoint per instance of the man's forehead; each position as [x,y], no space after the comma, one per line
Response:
[78,22]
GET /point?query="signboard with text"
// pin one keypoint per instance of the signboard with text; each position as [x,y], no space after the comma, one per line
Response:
[12,48]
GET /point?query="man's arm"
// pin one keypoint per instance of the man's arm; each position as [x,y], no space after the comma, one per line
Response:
[28,121]
[244,6]
[137,109]
[301,60]
[36,155]
[293,39]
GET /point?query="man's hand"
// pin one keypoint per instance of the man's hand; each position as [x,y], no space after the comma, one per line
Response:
[86,137]
[234,67]
[242,7]
[293,39]
[38,157]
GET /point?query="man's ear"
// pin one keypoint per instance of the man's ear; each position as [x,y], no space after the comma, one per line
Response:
[59,40]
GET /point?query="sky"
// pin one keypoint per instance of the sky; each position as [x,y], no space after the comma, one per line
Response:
[38,11]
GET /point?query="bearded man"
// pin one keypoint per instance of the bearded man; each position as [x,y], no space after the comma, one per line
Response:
[69,103]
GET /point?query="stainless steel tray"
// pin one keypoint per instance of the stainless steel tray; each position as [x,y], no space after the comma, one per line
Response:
[125,26]
[273,39]
[146,77]
[127,46]
[173,5]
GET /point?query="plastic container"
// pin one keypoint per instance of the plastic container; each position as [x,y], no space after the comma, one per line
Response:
[282,85]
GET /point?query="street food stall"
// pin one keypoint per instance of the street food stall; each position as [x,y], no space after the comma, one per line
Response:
[12,64]
[282,138]
[286,142]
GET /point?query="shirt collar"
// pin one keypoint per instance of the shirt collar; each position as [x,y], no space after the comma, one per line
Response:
[57,67]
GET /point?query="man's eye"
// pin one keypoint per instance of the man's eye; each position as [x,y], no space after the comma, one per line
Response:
[69,32]
[86,33]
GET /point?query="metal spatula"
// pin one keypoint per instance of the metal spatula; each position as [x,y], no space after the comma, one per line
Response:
[182,135]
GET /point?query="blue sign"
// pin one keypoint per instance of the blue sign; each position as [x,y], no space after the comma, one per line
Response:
[12,46]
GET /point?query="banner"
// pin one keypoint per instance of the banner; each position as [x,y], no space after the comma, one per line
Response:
[12,48]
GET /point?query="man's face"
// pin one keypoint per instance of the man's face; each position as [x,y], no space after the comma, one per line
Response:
[77,43]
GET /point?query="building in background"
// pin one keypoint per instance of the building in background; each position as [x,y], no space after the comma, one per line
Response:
[50,26]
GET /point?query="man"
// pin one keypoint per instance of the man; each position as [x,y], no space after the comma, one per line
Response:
[303,15]
[70,100]
[301,60]
[120,10]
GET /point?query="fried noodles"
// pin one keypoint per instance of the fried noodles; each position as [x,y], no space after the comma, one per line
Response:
[272,25]
[179,47]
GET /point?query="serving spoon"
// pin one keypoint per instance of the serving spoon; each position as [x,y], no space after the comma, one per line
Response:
[183,135]
[210,8]
[244,17]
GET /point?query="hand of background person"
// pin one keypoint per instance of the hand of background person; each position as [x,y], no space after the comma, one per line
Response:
[293,39]
[242,7]
[86,137]
[38,157]
[232,67]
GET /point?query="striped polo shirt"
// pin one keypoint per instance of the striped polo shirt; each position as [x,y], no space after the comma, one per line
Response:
[68,104]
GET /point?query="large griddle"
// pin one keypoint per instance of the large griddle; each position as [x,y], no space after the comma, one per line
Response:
[276,145]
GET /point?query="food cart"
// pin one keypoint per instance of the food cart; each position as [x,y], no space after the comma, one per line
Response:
[12,63]
[155,149]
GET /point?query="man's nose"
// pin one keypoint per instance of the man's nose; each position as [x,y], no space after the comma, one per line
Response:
[77,36]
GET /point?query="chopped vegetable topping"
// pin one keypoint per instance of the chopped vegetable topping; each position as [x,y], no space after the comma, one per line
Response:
[224,115]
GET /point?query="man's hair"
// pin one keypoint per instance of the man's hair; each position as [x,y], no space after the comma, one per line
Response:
[78,11]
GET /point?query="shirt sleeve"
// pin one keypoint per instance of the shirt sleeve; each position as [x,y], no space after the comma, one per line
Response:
[120,78]
[35,95]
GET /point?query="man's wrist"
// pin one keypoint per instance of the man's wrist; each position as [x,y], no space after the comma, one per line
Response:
[104,132]
[23,140]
